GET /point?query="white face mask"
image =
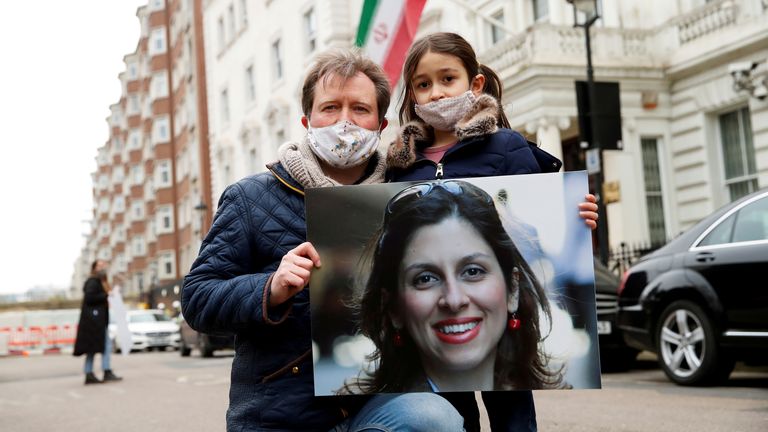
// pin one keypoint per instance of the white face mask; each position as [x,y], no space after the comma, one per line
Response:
[343,145]
[443,114]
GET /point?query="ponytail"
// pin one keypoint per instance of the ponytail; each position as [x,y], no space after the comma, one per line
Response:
[494,87]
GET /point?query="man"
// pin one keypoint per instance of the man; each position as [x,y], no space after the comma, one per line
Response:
[254,265]
[92,336]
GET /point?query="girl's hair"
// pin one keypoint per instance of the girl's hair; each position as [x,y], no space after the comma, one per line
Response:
[455,45]
[520,364]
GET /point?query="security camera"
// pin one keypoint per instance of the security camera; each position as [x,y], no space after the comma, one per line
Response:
[760,92]
[741,68]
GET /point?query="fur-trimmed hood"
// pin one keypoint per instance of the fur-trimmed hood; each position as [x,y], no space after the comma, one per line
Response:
[480,120]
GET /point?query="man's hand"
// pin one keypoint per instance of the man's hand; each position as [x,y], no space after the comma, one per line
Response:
[293,273]
[588,211]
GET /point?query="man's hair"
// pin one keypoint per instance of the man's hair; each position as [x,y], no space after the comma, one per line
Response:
[93,265]
[345,64]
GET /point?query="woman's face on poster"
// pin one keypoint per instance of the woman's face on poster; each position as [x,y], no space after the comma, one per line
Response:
[453,297]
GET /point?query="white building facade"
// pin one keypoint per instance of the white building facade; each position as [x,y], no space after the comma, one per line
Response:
[691,142]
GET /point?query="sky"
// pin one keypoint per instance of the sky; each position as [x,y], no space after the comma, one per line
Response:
[59,66]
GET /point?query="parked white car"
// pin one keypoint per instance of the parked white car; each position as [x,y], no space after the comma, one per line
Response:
[150,329]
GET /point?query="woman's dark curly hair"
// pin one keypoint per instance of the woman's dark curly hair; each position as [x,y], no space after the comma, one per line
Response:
[520,363]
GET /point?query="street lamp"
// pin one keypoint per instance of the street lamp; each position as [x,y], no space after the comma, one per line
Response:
[585,13]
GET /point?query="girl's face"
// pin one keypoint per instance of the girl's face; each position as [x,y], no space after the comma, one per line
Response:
[452,298]
[440,76]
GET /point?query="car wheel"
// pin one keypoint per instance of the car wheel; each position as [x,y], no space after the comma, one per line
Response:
[206,350]
[184,350]
[688,350]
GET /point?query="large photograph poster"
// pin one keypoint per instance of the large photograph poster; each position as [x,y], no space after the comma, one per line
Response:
[453,285]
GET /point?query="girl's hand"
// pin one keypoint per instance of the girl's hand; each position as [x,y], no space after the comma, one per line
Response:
[293,273]
[588,211]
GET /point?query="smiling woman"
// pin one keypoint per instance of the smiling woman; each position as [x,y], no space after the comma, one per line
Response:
[445,289]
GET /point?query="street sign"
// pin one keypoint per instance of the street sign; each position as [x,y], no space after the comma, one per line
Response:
[593,161]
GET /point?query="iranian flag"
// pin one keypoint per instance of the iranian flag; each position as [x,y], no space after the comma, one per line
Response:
[386,31]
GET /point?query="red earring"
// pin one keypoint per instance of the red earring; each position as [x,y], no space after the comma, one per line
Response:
[398,340]
[514,323]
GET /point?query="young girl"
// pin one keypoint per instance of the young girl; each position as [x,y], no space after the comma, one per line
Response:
[454,127]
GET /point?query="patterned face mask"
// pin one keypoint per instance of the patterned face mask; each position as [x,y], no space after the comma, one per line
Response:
[443,114]
[343,145]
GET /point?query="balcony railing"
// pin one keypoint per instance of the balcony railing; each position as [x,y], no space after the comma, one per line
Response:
[707,19]
[658,47]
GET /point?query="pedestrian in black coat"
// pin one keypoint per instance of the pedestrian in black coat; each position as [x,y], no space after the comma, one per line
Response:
[92,336]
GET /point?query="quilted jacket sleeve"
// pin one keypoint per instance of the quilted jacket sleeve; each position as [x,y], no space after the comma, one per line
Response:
[520,158]
[225,288]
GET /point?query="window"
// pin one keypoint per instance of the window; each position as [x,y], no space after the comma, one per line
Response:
[167,267]
[231,22]
[253,161]
[160,130]
[104,205]
[118,205]
[133,71]
[653,195]
[137,174]
[139,278]
[138,247]
[243,14]
[540,10]
[738,153]
[748,224]
[277,59]
[497,33]
[133,105]
[221,34]
[164,220]
[250,85]
[163,173]
[157,41]
[137,209]
[752,222]
[310,28]
[134,139]
[159,87]
[225,106]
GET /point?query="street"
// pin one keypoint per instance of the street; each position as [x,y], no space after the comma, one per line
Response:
[162,391]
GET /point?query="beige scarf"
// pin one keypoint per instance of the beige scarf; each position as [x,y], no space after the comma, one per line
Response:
[302,165]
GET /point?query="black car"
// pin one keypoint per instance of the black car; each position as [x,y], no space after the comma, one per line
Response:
[701,301]
[205,343]
[615,354]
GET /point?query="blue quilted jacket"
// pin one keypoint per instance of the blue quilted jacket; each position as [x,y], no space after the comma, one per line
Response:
[483,149]
[259,219]
[504,152]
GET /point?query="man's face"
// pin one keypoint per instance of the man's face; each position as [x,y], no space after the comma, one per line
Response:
[354,101]
[101,266]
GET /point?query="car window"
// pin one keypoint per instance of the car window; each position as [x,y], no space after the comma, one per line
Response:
[721,234]
[752,222]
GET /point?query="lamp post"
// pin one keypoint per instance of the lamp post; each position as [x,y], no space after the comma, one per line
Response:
[589,11]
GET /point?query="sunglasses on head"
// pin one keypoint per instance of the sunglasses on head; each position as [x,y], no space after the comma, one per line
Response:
[423,189]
